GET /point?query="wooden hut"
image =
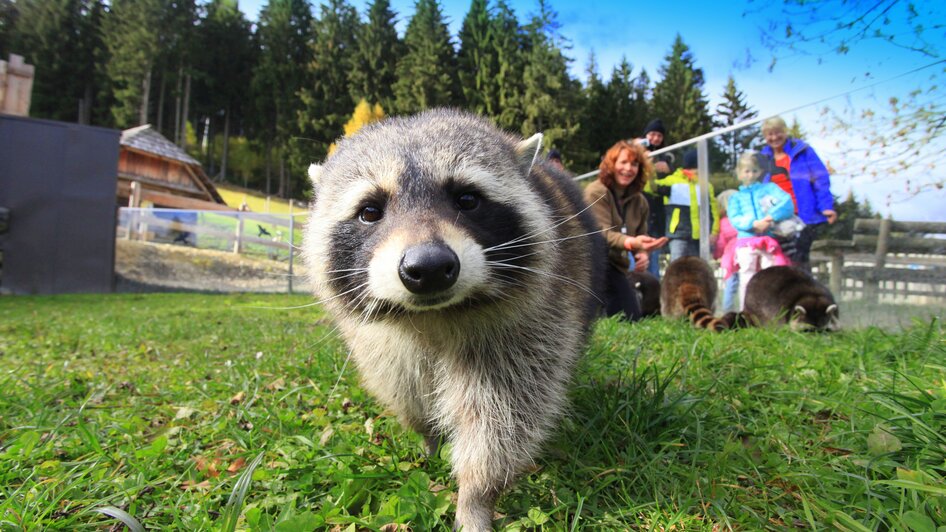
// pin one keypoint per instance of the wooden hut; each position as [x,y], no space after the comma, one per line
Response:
[153,169]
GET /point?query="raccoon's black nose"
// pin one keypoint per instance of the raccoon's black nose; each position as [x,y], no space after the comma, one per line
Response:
[429,268]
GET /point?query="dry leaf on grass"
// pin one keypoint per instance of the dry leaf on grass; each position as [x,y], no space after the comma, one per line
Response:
[236,465]
[189,485]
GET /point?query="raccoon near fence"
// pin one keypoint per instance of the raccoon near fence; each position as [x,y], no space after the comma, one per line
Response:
[463,275]
[787,295]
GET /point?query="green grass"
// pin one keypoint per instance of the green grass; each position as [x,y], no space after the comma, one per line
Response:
[157,406]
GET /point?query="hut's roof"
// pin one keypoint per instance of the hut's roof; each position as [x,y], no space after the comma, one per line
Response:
[146,138]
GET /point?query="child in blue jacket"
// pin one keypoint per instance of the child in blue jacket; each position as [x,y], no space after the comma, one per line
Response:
[753,211]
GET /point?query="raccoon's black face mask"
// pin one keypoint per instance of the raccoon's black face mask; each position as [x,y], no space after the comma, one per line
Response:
[814,315]
[426,229]
[428,246]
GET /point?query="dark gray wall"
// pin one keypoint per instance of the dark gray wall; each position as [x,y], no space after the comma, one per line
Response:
[58,180]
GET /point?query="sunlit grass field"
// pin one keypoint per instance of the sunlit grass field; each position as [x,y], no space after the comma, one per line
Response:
[155,409]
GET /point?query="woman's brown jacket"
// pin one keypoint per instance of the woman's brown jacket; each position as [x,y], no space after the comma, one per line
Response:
[607,211]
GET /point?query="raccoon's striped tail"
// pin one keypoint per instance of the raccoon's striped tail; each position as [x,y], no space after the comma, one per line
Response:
[702,317]
[738,320]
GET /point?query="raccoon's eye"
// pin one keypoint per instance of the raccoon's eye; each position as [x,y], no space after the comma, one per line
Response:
[467,201]
[370,214]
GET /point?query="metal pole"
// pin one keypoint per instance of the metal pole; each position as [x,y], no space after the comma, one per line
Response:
[703,197]
[292,248]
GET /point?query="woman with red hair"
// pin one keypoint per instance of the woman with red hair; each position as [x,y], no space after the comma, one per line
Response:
[618,204]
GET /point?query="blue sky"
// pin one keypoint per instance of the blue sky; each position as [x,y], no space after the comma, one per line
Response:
[721,35]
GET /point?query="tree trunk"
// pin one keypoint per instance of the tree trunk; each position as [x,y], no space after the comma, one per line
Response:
[161,101]
[186,110]
[226,144]
[145,96]
[177,107]
[282,178]
[85,106]
[209,139]
[269,167]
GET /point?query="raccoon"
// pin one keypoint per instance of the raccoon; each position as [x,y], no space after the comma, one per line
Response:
[463,275]
[648,292]
[785,294]
[688,288]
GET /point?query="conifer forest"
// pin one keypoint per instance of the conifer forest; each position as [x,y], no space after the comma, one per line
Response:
[257,101]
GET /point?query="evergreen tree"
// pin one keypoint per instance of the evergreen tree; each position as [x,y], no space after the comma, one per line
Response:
[848,211]
[226,61]
[552,98]
[8,16]
[731,111]
[599,119]
[283,34]
[508,45]
[628,122]
[62,39]
[678,97]
[374,59]
[326,100]
[641,102]
[427,74]
[795,131]
[131,35]
[175,62]
[477,61]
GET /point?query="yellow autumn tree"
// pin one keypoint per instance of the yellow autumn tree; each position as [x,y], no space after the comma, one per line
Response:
[364,114]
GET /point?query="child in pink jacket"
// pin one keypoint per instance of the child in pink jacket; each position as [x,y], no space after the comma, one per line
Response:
[724,252]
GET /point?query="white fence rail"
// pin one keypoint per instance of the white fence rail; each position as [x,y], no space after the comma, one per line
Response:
[268,241]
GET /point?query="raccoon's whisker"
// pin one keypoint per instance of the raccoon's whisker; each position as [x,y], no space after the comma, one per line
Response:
[343,276]
[501,247]
[540,231]
[336,296]
[348,270]
[517,257]
[285,308]
[372,308]
[553,276]
[340,374]
[322,339]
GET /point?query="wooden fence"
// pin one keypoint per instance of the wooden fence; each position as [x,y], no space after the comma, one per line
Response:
[887,260]
[240,232]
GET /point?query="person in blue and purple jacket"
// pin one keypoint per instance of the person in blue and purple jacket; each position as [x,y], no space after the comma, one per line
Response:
[796,168]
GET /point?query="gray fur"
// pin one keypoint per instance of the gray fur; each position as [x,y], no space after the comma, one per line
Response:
[488,369]
[789,295]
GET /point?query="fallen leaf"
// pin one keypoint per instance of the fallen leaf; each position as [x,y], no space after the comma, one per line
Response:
[238,398]
[236,465]
[189,485]
[208,467]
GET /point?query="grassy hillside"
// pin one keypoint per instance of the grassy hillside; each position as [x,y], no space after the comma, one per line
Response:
[235,196]
[157,405]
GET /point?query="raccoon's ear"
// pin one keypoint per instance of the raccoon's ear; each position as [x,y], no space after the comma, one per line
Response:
[832,310]
[315,172]
[528,151]
[800,311]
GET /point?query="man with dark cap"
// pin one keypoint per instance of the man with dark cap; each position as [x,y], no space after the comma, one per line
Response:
[555,159]
[653,139]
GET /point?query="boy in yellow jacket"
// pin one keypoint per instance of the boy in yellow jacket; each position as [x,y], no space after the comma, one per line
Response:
[681,201]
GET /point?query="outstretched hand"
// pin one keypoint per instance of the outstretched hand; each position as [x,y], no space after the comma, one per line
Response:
[830,215]
[644,243]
